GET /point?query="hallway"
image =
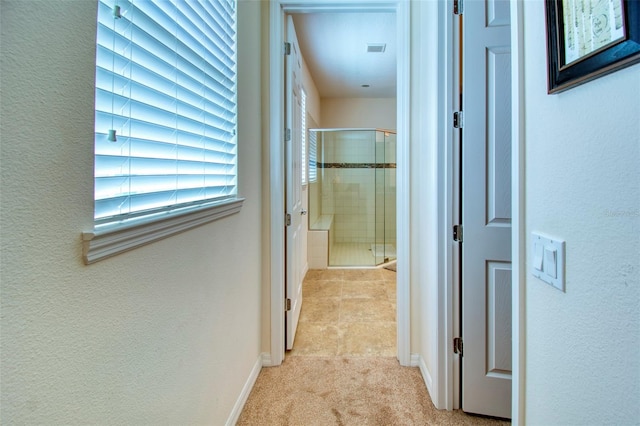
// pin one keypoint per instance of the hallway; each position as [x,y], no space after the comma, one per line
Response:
[343,368]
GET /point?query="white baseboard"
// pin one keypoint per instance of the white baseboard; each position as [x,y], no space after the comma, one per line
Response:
[415,360]
[418,361]
[266,359]
[246,390]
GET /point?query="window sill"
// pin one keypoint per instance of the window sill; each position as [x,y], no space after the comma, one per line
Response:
[112,239]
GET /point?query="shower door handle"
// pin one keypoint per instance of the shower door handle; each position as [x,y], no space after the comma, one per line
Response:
[303,212]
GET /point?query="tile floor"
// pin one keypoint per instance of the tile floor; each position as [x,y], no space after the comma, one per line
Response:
[351,254]
[347,312]
[357,254]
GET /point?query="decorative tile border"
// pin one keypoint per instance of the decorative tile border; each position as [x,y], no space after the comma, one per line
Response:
[356,165]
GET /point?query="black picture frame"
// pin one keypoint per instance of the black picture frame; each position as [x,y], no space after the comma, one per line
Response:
[618,54]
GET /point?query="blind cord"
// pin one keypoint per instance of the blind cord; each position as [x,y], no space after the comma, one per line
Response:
[112,132]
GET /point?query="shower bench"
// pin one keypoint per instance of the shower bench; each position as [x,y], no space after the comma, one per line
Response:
[319,240]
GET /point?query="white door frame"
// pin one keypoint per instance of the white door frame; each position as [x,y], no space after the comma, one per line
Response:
[277,11]
[518,237]
[437,19]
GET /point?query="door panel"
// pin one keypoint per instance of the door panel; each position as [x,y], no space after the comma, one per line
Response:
[497,13]
[486,208]
[293,190]
[499,135]
[499,319]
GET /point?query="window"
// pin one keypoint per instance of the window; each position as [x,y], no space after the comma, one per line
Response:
[165,121]
[165,130]
[313,157]
[303,130]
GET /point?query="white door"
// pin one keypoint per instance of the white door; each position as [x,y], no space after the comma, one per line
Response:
[293,196]
[486,208]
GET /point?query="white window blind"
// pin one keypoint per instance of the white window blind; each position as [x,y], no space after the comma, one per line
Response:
[165,131]
[313,156]
[303,129]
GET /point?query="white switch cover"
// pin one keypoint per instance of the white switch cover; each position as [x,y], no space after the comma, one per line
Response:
[550,255]
[538,251]
[551,252]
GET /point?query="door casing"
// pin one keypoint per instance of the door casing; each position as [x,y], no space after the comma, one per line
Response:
[437,36]
[277,12]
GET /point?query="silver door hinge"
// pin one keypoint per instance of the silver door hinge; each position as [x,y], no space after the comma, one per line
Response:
[457,233]
[287,48]
[457,7]
[457,345]
[457,120]
[287,219]
[287,135]
[288,305]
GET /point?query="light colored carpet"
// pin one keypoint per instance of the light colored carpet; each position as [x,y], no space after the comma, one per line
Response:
[346,391]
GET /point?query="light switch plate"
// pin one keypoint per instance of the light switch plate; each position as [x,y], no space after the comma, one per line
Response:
[552,271]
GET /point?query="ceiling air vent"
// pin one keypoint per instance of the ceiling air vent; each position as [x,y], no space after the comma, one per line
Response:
[376,47]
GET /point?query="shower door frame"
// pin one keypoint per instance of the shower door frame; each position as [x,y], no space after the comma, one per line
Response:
[277,12]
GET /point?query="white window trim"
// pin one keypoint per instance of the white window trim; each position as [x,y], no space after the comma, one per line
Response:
[112,239]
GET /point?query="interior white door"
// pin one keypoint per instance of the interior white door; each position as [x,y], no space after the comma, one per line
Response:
[486,208]
[293,190]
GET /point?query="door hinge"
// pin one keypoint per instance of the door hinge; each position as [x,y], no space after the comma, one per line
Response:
[287,135]
[287,219]
[457,346]
[287,48]
[457,233]
[457,120]
[288,305]
[457,7]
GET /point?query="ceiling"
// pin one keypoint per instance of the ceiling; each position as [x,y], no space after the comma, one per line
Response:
[334,46]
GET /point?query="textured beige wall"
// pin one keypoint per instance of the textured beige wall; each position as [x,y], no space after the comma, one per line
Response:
[582,186]
[313,97]
[377,113]
[165,334]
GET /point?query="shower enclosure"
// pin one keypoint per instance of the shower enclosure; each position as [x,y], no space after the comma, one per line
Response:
[353,198]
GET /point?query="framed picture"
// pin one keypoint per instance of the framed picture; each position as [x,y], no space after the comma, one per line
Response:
[587,39]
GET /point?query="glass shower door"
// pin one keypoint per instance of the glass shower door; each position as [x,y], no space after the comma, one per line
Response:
[390,196]
[385,235]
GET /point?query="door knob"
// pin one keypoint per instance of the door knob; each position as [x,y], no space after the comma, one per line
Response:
[303,212]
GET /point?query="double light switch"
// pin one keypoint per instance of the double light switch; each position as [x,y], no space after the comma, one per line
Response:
[548,260]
